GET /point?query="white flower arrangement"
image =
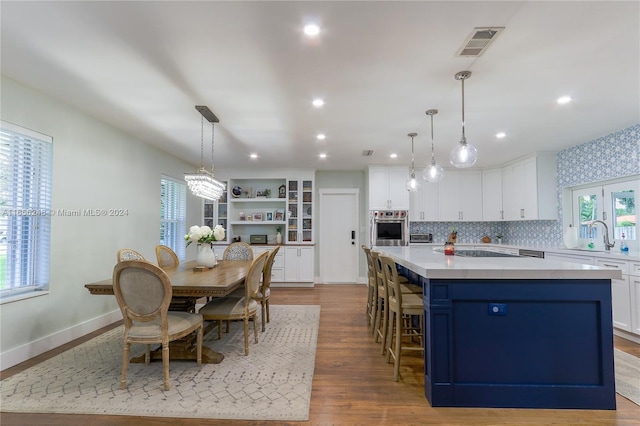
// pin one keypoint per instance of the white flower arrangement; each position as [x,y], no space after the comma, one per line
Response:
[204,234]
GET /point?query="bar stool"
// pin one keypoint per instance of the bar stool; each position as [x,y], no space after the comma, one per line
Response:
[379,326]
[372,290]
[401,308]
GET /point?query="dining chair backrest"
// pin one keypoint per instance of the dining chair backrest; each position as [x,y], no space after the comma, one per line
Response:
[371,271]
[238,251]
[252,282]
[166,257]
[266,271]
[143,291]
[129,254]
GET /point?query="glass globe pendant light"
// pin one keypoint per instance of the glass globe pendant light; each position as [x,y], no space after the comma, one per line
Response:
[464,154]
[433,172]
[413,184]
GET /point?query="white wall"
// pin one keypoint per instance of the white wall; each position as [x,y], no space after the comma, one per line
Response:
[94,166]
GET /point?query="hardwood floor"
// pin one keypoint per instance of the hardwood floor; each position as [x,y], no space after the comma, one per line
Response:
[352,383]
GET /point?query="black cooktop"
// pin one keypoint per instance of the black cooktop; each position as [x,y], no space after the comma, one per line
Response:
[482,253]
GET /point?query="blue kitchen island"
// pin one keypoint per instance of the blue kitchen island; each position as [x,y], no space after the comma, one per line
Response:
[512,331]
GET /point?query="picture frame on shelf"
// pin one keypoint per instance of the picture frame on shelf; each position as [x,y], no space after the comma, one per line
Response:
[268,216]
[257,217]
[279,215]
[282,191]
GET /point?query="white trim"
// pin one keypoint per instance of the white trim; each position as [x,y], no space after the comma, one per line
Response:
[26,132]
[29,350]
[626,335]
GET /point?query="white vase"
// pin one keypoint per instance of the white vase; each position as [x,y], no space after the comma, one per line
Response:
[206,256]
[278,238]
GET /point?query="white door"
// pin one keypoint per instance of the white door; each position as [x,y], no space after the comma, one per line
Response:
[338,236]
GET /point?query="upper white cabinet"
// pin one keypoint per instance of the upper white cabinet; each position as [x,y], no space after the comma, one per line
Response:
[492,195]
[424,203]
[529,188]
[460,196]
[387,190]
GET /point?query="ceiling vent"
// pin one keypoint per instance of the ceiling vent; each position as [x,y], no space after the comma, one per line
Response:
[478,41]
[367,152]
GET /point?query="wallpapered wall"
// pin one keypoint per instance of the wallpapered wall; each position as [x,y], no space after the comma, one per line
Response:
[612,156]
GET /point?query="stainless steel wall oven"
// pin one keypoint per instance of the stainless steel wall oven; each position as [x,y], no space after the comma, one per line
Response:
[389,227]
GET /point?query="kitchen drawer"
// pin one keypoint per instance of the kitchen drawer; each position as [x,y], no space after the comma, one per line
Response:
[277,275]
[634,269]
[618,264]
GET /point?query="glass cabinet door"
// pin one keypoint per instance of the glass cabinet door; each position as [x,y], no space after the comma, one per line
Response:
[300,211]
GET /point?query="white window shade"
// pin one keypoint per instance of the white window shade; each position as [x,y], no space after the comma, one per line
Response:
[25,210]
[173,201]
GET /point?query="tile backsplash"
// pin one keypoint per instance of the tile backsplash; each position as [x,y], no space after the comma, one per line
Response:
[608,157]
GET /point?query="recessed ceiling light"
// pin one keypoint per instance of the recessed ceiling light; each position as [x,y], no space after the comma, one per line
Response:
[318,103]
[501,135]
[253,156]
[394,155]
[322,156]
[564,100]
[311,30]
[321,136]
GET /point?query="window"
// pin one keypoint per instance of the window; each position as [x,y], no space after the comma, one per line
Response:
[173,201]
[25,207]
[612,203]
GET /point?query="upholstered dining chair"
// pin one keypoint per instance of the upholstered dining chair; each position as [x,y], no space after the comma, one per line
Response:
[167,258]
[264,294]
[238,251]
[143,291]
[129,254]
[403,307]
[233,308]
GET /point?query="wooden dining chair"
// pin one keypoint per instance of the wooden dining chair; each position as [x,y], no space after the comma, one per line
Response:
[238,251]
[129,254]
[167,258]
[403,308]
[143,291]
[232,308]
[264,294]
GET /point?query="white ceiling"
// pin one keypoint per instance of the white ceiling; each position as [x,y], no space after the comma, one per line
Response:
[143,66]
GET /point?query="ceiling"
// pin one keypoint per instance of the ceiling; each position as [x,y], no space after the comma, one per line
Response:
[143,66]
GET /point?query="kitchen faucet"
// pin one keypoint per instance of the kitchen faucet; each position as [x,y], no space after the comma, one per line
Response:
[607,244]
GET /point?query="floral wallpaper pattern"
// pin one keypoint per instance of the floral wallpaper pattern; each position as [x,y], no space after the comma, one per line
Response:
[612,156]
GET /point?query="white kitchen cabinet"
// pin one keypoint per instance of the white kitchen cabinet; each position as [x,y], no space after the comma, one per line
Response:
[460,196]
[298,264]
[423,204]
[492,195]
[529,188]
[620,293]
[387,188]
[634,290]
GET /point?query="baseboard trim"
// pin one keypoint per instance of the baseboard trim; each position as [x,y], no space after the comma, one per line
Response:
[29,350]
[626,335]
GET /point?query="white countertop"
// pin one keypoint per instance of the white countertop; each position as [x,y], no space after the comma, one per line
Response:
[431,264]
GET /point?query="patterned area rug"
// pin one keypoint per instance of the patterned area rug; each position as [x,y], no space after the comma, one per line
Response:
[272,383]
[627,375]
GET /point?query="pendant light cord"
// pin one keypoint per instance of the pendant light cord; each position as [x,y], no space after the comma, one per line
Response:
[464,139]
[212,147]
[201,141]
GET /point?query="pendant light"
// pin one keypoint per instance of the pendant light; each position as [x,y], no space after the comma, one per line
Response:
[463,155]
[202,183]
[413,184]
[433,172]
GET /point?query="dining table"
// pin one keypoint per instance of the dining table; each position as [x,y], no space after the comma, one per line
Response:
[188,284]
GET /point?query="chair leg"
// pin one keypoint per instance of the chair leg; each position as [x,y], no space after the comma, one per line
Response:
[255,327]
[147,355]
[199,343]
[219,329]
[165,364]
[382,331]
[125,364]
[246,336]
[268,316]
[262,309]
[396,366]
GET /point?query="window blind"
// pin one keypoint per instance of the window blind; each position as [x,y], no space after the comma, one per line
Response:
[173,201]
[25,210]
